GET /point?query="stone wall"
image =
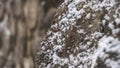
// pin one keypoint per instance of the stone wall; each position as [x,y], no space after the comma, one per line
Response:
[23,23]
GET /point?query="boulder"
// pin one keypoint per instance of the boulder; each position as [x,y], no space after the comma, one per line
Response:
[85,34]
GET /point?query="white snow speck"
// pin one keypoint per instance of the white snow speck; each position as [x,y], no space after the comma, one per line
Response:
[117,20]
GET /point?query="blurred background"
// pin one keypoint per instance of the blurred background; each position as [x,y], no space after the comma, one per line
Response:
[23,24]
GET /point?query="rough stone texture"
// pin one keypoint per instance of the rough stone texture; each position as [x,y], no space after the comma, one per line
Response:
[23,23]
[85,34]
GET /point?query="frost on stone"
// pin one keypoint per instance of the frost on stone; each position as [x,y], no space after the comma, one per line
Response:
[85,34]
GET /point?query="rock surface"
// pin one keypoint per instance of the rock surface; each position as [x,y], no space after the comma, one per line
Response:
[85,34]
[23,24]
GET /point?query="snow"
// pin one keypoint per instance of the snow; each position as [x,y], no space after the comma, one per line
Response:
[81,31]
[115,31]
[109,44]
[95,45]
[58,60]
[103,43]
[107,17]
[96,35]
[117,20]
[88,16]
[111,26]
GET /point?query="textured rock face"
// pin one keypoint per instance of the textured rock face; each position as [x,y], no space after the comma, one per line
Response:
[23,24]
[85,34]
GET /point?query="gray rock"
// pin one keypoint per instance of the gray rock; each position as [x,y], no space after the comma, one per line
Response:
[85,34]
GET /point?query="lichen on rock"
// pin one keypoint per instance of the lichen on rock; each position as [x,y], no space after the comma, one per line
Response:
[85,34]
